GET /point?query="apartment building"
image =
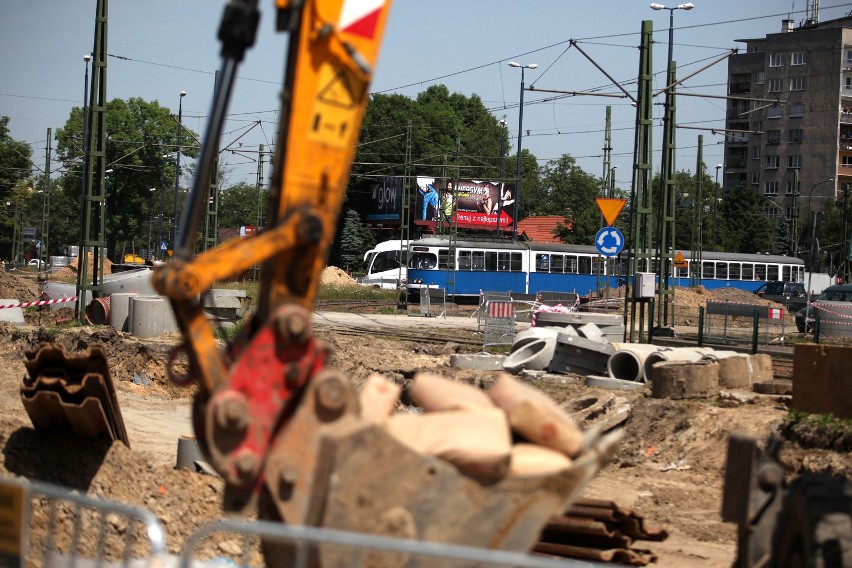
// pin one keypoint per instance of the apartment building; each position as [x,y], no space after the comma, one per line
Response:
[799,118]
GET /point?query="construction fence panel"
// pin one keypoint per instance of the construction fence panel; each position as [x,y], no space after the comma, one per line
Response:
[499,323]
[300,546]
[432,300]
[734,322]
[61,527]
[485,297]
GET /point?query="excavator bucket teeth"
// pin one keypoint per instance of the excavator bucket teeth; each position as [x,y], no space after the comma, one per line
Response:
[72,391]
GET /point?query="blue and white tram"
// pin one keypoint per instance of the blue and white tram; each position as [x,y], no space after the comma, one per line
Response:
[531,267]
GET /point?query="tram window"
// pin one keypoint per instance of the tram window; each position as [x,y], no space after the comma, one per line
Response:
[598,265]
[734,271]
[516,262]
[503,262]
[571,264]
[748,271]
[542,263]
[423,261]
[680,272]
[722,270]
[464,260]
[443,256]
[785,270]
[584,265]
[478,258]
[708,269]
[558,264]
[491,261]
[387,260]
[772,272]
[760,272]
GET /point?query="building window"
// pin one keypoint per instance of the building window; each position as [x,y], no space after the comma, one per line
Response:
[771,188]
[849,56]
[774,86]
[757,126]
[755,177]
[776,60]
[846,161]
[773,136]
[760,77]
[770,211]
[788,213]
[797,110]
[796,135]
[797,83]
[798,58]
[773,112]
[755,152]
[794,162]
[771,162]
[790,188]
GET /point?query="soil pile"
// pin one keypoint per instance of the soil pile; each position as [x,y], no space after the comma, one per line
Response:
[335,277]
[18,287]
[73,267]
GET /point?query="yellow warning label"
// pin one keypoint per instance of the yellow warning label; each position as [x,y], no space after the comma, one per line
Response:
[679,260]
[337,102]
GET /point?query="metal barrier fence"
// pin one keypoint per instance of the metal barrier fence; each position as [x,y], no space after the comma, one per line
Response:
[430,296]
[311,546]
[485,297]
[734,323]
[56,526]
[499,323]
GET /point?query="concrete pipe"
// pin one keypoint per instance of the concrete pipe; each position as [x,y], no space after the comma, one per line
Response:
[146,316]
[534,356]
[734,368]
[97,312]
[673,354]
[532,334]
[119,310]
[626,363]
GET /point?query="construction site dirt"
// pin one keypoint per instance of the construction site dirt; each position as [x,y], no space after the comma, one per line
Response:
[669,465]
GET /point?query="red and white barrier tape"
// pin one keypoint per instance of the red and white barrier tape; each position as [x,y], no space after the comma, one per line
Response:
[39,303]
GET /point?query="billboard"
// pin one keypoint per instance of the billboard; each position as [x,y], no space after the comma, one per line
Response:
[468,203]
[385,202]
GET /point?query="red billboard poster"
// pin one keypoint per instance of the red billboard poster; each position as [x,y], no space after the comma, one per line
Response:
[479,204]
[469,204]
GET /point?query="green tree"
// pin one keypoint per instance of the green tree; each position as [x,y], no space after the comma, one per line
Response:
[745,228]
[238,205]
[140,146]
[353,242]
[571,192]
[15,168]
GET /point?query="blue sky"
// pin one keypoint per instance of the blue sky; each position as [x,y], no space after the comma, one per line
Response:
[171,46]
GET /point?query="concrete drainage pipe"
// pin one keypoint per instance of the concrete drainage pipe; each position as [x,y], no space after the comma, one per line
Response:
[535,356]
[532,334]
[673,354]
[627,362]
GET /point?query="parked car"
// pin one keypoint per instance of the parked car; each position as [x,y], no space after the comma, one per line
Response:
[40,264]
[836,293]
[792,294]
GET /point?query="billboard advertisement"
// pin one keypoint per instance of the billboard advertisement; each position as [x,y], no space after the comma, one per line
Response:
[385,202]
[468,203]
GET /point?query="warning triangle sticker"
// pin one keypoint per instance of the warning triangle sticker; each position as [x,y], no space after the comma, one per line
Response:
[338,91]
[610,208]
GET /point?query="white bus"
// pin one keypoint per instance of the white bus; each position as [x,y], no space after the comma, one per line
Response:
[386,265]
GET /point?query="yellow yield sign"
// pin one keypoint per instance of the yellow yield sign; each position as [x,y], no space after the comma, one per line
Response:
[610,208]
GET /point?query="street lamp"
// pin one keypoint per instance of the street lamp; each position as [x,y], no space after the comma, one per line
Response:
[177,166]
[502,150]
[715,203]
[520,137]
[812,252]
[687,6]
[83,178]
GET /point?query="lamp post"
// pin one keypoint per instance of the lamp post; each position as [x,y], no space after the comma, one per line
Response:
[502,150]
[520,137]
[687,6]
[715,203]
[812,251]
[150,223]
[177,167]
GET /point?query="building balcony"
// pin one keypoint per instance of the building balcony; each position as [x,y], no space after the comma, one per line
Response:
[736,163]
[740,138]
[740,88]
[846,116]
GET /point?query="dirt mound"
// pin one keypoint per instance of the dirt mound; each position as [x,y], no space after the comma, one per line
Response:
[73,266]
[336,278]
[16,287]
